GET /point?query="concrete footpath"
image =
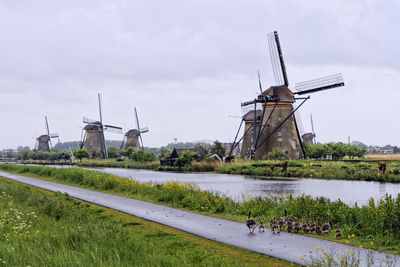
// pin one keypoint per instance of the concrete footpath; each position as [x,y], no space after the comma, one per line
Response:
[284,246]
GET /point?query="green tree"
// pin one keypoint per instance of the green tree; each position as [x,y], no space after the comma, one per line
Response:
[81,153]
[142,156]
[186,158]
[218,149]
[277,154]
[113,152]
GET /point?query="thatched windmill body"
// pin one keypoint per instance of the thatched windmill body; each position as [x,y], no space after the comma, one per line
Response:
[133,137]
[93,140]
[277,127]
[43,142]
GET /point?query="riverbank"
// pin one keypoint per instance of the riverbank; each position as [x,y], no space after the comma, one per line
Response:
[40,228]
[376,225]
[337,170]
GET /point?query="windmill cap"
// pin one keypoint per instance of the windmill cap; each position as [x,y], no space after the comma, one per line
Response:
[91,127]
[281,92]
[43,138]
[249,116]
[132,132]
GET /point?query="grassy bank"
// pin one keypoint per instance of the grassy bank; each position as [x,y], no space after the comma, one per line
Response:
[340,170]
[39,228]
[376,225]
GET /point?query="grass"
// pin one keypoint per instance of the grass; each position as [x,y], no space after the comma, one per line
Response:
[39,228]
[339,170]
[383,156]
[376,225]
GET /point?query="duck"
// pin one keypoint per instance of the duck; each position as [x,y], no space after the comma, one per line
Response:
[304,226]
[326,227]
[338,232]
[250,223]
[318,229]
[281,224]
[260,225]
[274,226]
[289,225]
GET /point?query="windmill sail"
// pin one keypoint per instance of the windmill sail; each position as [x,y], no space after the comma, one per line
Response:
[278,65]
[319,84]
[89,121]
[113,129]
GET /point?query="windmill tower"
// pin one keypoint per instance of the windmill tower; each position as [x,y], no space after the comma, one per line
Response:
[131,137]
[277,128]
[309,138]
[93,139]
[43,142]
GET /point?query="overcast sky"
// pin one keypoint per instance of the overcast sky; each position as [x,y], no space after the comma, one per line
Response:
[187,65]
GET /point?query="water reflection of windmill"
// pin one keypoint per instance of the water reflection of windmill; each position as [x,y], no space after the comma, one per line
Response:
[131,137]
[277,127]
[43,142]
[93,139]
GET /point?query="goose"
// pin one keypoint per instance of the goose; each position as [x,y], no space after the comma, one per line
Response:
[318,229]
[260,225]
[297,225]
[251,224]
[326,227]
[289,225]
[338,232]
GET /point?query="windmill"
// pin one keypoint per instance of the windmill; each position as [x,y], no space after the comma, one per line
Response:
[309,138]
[43,142]
[131,137]
[93,139]
[277,127]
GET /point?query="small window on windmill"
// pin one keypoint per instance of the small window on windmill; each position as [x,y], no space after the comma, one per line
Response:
[279,118]
[279,134]
[280,144]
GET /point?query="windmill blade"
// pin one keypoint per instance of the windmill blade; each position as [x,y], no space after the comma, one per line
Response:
[137,120]
[54,135]
[312,128]
[101,117]
[144,130]
[278,65]
[141,141]
[259,82]
[47,125]
[319,84]
[89,121]
[113,129]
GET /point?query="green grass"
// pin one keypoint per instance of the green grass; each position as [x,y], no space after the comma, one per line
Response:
[376,225]
[38,228]
[338,170]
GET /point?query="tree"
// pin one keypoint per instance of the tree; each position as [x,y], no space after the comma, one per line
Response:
[218,149]
[81,153]
[186,158]
[277,154]
[142,156]
[113,152]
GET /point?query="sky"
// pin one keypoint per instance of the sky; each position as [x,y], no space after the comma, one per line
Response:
[187,66]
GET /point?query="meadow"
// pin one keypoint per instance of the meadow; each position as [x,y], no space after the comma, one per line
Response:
[340,170]
[39,228]
[376,225]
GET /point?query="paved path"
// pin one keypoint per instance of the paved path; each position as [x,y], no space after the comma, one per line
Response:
[285,246]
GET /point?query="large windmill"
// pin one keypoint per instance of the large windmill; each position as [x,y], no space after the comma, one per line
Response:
[277,127]
[43,142]
[93,139]
[131,137]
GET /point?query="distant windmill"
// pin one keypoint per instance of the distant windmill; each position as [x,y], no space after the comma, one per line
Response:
[93,139]
[131,137]
[44,141]
[277,127]
[309,138]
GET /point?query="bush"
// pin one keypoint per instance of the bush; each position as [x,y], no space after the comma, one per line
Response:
[142,156]
[277,154]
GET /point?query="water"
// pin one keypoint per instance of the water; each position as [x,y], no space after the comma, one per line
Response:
[237,186]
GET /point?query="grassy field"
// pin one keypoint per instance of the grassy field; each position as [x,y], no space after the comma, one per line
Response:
[38,228]
[376,225]
[340,170]
[383,156]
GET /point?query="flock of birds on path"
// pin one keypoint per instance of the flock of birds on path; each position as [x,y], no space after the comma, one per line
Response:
[292,224]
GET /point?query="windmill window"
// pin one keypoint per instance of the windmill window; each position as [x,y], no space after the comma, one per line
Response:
[279,118]
[279,134]
[280,144]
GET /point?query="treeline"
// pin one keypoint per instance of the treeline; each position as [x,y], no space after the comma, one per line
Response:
[334,150]
[73,145]
[40,155]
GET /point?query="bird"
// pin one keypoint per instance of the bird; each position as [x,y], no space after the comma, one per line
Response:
[338,232]
[260,225]
[297,226]
[289,225]
[326,227]
[251,224]
[318,229]
[281,224]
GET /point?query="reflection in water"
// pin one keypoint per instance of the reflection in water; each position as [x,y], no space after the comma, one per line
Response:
[237,186]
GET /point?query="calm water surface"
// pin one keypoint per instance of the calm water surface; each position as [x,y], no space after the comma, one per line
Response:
[237,186]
